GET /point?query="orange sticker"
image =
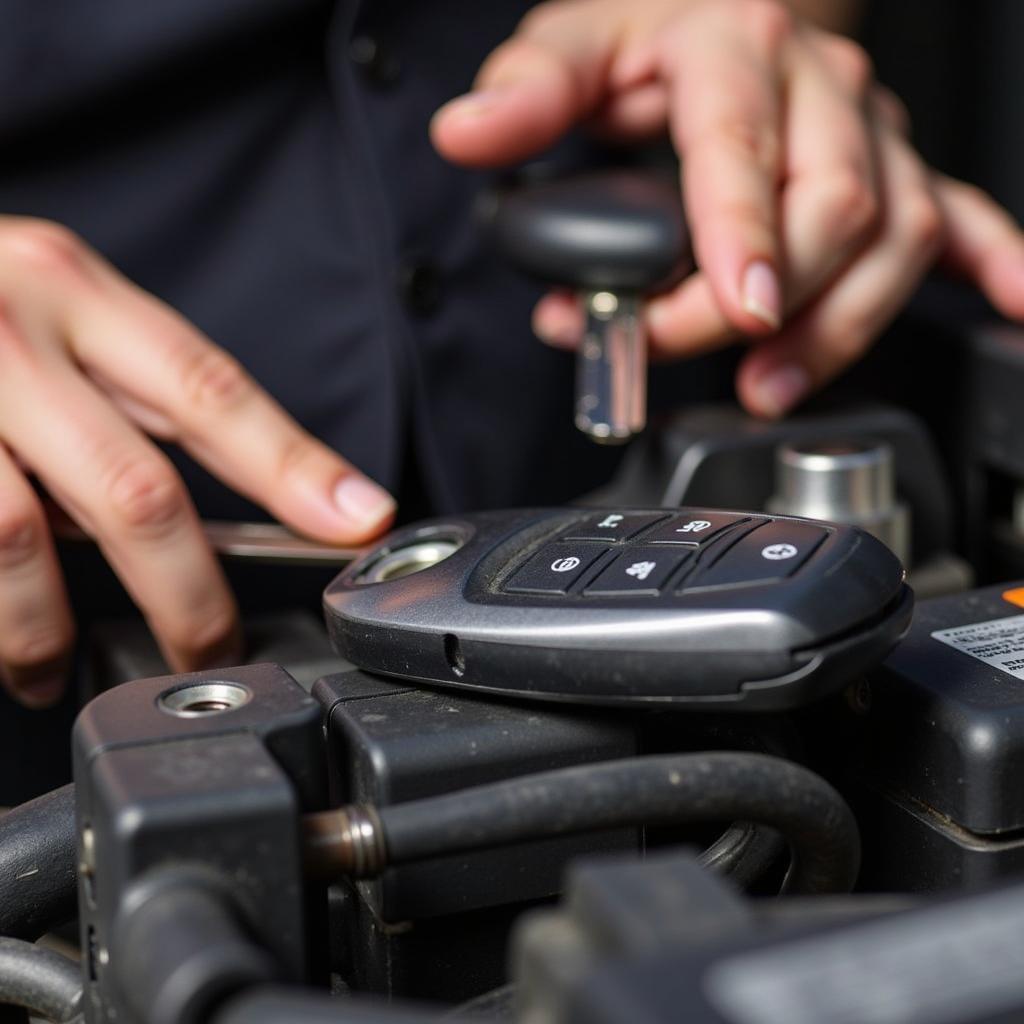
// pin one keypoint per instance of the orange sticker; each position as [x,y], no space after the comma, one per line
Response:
[1015,596]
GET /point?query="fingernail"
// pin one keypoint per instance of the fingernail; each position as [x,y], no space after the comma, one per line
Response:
[362,501]
[473,104]
[782,388]
[761,294]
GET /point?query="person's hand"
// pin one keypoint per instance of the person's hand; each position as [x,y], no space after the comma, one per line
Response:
[88,365]
[813,218]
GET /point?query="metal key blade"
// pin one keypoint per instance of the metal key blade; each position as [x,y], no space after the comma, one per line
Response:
[254,542]
[611,374]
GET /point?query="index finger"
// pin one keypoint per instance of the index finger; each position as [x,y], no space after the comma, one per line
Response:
[725,84]
[141,351]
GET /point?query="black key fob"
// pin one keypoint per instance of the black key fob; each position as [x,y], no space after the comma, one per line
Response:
[711,609]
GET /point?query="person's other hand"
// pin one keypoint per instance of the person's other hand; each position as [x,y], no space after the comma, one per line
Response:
[89,364]
[813,218]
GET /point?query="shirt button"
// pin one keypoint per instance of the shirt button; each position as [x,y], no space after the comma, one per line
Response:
[377,62]
[419,285]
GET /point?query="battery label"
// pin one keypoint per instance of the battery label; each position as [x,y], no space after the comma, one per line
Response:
[998,642]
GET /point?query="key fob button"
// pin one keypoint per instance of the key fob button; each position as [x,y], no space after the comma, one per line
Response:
[554,569]
[771,552]
[639,570]
[611,526]
[694,528]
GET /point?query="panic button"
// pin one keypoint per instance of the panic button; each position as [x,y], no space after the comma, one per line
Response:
[772,552]
[639,570]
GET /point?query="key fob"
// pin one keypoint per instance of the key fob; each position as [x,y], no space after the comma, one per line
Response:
[716,610]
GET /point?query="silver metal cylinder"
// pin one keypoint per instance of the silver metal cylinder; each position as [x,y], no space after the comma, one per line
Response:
[851,482]
[611,368]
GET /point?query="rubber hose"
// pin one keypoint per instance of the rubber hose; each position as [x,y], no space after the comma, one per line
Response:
[38,868]
[663,790]
[743,853]
[40,980]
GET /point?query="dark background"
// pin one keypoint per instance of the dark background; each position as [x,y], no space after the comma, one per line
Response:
[959,67]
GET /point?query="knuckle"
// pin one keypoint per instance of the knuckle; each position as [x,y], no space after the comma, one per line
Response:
[891,109]
[849,340]
[540,19]
[768,21]
[20,536]
[297,456]
[211,380]
[745,215]
[851,207]
[851,63]
[42,245]
[14,342]
[924,222]
[146,495]
[970,194]
[750,142]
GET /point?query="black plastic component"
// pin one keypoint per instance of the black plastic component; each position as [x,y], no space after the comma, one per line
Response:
[554,569]
[698,529]
[123,650]
[770,645]
[181,948]
[613,913]
[611,526]
[640,570]
[287,1006]
[665,942]
[392,744]
[389,744]
[951,725]
[943,741]
[985,419]
[721,457]
[620,230]
[38,866]
[772,551]
[220,789]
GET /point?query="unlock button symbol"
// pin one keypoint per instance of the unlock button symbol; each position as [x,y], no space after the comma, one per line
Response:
[694,526]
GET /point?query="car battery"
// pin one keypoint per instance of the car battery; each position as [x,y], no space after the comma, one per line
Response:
[389,742]
[940,748]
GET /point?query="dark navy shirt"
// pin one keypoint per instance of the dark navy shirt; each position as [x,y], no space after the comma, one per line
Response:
[264,166]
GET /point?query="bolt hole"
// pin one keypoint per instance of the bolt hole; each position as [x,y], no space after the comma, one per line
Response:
[206,707]
[204,699]
[453,654]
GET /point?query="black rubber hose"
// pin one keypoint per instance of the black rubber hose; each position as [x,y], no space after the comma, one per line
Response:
[38,868]
[664,790]
[743,853]
[40,980]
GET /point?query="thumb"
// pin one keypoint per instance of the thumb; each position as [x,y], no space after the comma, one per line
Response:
[532,88]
